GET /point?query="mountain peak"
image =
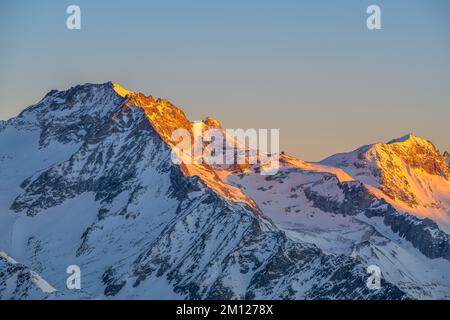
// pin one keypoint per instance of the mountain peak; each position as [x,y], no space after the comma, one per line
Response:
[414,151]
[120,90]
[411,139]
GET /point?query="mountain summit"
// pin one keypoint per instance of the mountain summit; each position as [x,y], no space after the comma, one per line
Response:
[408,172]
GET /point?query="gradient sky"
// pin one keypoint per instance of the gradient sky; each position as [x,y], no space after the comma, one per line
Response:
[310,68]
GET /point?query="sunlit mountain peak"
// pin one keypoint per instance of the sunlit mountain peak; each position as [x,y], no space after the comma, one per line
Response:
[121,91]
[410,139]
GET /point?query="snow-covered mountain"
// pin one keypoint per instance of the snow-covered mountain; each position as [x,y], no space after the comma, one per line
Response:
[87,179]
[409,173]
[318,205]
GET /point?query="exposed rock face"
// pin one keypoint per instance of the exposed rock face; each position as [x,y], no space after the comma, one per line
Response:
[212,123]
[418,153]
[425,235]
[409,172]
[413,153]
[447,158]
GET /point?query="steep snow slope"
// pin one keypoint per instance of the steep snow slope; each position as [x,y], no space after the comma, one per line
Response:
[409,173]
[89,181]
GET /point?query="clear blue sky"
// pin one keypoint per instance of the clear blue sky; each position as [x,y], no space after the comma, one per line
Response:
[310,68]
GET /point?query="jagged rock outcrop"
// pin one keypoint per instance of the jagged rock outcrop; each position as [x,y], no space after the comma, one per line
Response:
[18,282]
